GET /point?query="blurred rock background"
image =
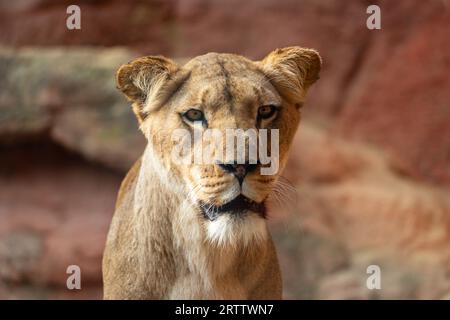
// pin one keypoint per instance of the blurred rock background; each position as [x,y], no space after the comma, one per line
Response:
[369,172]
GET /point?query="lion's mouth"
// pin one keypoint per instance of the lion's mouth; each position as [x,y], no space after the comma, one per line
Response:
[239,205]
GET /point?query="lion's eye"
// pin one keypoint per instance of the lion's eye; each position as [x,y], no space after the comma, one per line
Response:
[266,112]
[194,115]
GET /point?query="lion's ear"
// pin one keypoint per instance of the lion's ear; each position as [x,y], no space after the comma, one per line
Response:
[292,71]
[143,81]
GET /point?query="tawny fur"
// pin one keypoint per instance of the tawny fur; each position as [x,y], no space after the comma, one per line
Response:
[159,245]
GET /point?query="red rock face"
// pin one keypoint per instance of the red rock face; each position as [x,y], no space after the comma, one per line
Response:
[402,101]
[104,23]
[371,163]
[55,210]
[354,208]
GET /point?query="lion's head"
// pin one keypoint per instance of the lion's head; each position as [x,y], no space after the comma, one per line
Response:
[221,92]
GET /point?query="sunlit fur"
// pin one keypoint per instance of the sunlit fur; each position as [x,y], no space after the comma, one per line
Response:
[160,245]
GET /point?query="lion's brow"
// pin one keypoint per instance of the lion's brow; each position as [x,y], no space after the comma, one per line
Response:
[175,84]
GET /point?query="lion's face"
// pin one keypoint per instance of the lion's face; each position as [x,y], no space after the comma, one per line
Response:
[212,96]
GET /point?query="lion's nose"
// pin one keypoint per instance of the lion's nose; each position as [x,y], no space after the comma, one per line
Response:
[239,170]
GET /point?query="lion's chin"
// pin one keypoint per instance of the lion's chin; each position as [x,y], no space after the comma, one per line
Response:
[239,206]
[240,221]
[230,230]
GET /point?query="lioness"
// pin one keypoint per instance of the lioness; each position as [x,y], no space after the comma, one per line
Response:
[198,231]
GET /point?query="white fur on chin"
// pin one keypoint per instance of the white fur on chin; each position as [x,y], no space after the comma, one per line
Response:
[230,230]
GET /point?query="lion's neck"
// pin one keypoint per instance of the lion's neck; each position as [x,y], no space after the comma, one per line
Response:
[171,234]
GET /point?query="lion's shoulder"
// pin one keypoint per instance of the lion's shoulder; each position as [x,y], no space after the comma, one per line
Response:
[128,182]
